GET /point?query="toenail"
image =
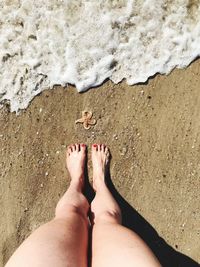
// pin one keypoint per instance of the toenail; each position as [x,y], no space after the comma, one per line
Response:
[83,145]
[94,145]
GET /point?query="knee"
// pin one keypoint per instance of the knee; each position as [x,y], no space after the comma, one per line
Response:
[109,216]
[77,211]
[64,210]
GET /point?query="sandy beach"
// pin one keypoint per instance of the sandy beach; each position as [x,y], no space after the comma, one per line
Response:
[153,131]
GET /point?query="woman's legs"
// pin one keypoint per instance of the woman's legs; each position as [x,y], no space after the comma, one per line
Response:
[113,244]
[63,241]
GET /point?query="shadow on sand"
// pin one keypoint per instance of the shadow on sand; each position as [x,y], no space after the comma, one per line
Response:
[167,256]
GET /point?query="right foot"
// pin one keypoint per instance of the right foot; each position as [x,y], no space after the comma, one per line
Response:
[75,161]
[100,159]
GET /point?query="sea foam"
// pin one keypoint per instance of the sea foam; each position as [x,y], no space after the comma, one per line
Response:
[48,42]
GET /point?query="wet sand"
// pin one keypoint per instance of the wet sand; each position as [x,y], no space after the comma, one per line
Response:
[153,132]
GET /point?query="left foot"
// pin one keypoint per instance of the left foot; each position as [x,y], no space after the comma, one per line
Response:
[75,161]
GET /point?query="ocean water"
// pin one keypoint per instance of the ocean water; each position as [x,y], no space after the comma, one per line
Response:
[48,42]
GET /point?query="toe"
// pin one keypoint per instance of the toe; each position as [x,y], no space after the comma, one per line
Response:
[94,147]
[77,147]
[106,150]
[68,151]
[99,147]
[82,147]
[73,146]
[102,147]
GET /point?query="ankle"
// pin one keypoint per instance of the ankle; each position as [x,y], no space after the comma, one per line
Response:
[77,182]
[99,180]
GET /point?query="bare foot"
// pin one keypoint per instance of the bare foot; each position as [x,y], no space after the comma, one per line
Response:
[100,159]
[75,161]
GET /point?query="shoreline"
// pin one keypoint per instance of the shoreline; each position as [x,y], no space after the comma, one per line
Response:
[153,132]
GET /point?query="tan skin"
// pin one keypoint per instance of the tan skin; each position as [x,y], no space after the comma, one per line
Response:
[63,242]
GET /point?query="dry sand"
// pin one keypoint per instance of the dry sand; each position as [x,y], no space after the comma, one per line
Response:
[153,132]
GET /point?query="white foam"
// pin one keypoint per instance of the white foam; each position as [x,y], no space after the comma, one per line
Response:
[48,42]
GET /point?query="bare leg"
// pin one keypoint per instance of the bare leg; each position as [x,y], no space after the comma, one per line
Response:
[63,241]
[113,244]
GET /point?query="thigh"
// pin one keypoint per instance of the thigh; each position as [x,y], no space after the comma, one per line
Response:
[58,243]
[115,245]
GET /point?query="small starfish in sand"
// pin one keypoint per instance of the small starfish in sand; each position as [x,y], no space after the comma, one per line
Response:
[86,119]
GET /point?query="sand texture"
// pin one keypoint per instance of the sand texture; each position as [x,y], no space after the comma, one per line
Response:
[153,132]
